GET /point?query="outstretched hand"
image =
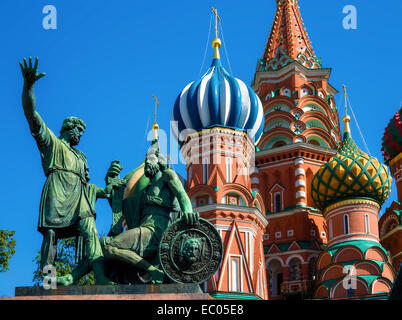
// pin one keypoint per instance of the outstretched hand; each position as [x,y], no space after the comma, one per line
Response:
[29,72]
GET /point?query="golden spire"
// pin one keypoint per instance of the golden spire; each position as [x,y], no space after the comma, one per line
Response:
[346,118]
[216,43]
[169,160]
[155,126]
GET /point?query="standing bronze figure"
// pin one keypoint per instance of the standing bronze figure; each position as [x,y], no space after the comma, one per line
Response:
[67,205]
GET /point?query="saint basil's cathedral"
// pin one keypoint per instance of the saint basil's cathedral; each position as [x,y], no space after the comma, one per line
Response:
[294,199]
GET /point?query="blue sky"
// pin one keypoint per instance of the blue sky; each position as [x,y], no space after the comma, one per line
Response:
[106,59]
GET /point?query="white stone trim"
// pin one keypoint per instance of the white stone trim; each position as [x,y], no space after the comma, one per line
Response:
[291,212]
[294,255]
[298,161]
[345,237]
[221,206]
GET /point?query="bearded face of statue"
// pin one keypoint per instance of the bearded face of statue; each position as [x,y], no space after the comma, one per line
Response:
[151,166]
[72,130]
[75,135]
[192,250]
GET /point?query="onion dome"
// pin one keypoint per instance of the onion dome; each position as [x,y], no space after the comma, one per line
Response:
[392,140]
[218,99]
[351,173]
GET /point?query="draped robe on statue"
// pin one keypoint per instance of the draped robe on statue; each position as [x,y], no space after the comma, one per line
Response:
[66,196]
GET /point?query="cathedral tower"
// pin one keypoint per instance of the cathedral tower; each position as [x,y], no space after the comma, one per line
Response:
[300,134]
[391,223]
[350,190]
[217,120]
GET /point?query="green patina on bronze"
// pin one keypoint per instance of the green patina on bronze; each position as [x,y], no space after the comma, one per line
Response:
[157,197]
[157,200]
[191,254]
[67,206]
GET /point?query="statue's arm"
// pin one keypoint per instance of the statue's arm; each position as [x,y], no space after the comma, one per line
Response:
[30,75]
[177,189]
[28,103]
[103,193]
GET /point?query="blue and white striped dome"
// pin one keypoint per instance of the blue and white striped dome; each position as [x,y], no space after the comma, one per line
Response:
[218,99]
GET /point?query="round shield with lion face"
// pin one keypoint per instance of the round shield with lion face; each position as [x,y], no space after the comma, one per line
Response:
[190,254]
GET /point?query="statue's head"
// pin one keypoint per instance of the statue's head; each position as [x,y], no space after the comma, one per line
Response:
[154,162]
[192,250]
[72,129]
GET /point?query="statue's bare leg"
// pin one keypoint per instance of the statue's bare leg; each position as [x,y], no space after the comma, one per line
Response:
[48,249]
[131,257]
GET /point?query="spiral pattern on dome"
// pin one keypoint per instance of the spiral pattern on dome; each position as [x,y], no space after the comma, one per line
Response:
[218,99]
[392,139]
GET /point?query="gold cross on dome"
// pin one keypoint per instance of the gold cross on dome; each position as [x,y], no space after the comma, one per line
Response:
[346,98]
[156,105]
[215,11]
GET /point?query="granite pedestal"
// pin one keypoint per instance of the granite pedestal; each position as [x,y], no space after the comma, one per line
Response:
[113,292]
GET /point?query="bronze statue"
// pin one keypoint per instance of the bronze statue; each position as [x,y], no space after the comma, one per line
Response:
[157,211]
[67,205]
[147,214]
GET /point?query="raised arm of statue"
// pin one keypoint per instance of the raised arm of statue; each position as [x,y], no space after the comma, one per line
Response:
[177,189]
[30,75]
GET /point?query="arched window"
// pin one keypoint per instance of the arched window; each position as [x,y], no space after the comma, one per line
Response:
[205,173]
[276,194]
[346,223]
[235,283]
[228,169]
[366,224]
[275,278]
[295,269]
[277,202]
[312,268]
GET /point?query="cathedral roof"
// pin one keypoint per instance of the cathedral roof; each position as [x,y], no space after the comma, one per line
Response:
[288,40]
[351,173]
[218,99]
[392,139]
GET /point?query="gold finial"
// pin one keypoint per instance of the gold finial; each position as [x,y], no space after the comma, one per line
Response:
[216,43]
[169,160]
[346,118]
[155,126]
